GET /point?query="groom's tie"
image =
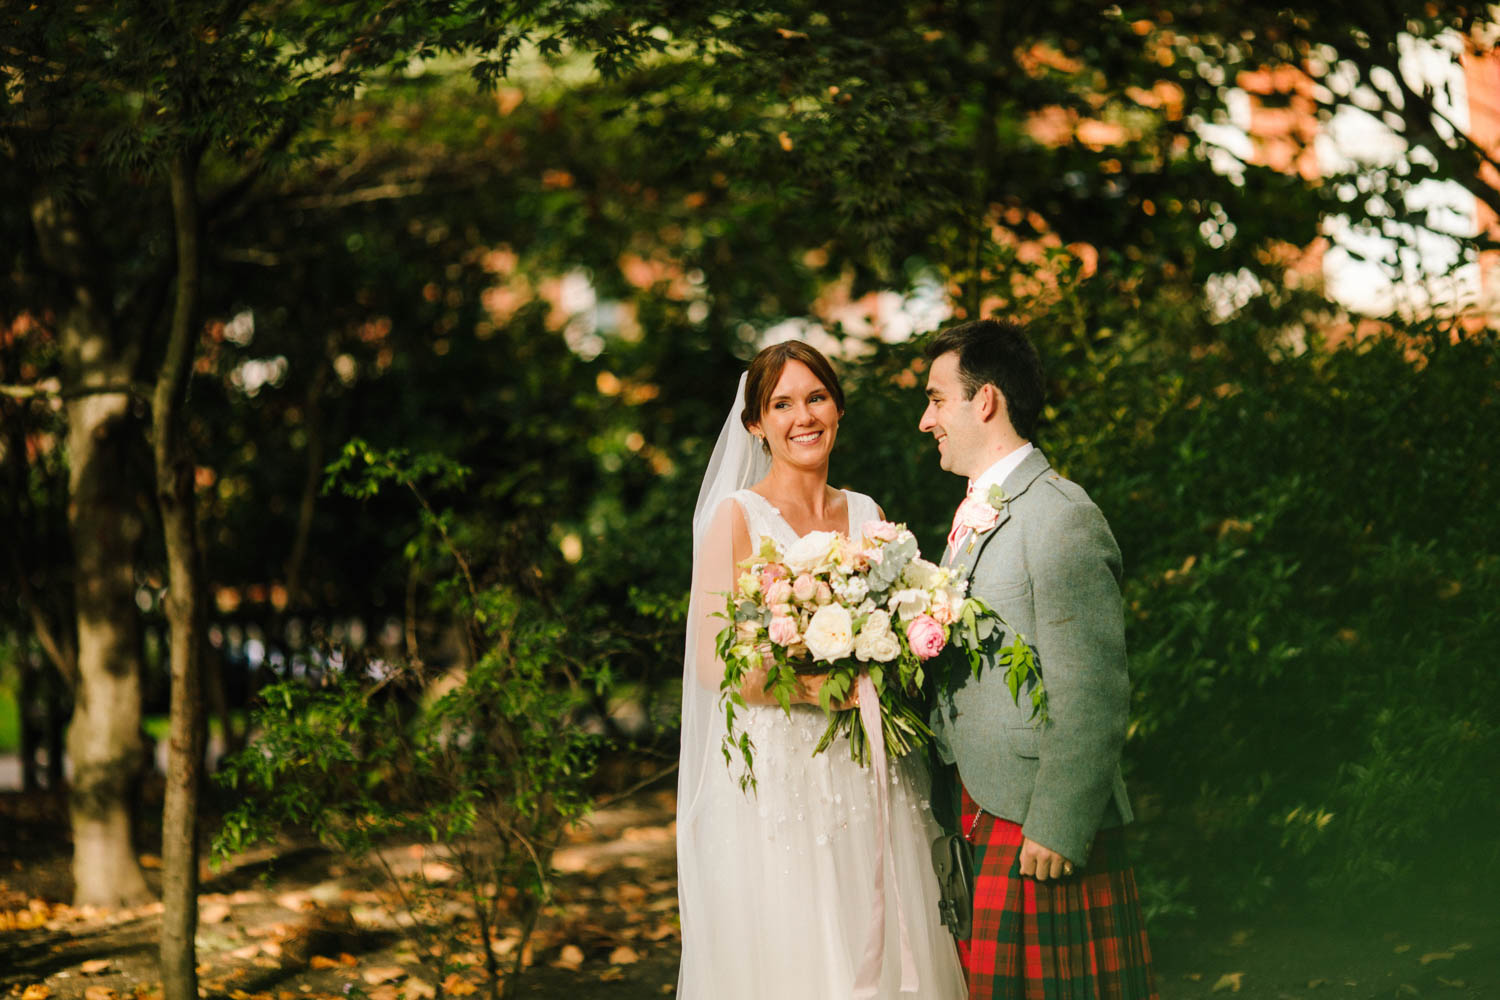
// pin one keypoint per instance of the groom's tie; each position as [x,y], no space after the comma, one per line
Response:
[958,529]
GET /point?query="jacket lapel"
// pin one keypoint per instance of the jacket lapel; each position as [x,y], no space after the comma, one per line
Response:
[1019,481]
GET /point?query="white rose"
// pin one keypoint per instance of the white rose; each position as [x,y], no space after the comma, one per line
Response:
[812,553]
[878,623]
[907,604]
[881,650]
[876,641]
[866,606]
[830,634]
[924,575]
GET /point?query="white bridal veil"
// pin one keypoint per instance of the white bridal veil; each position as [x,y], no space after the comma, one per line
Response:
[738,461]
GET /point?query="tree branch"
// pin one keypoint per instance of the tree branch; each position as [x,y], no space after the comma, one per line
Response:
[381,192]
[52,389]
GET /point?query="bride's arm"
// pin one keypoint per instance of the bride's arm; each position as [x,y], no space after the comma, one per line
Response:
[725,545]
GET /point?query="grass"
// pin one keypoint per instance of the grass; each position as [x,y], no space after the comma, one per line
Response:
[10,721]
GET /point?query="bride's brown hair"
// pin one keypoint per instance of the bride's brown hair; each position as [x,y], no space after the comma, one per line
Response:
[765,372]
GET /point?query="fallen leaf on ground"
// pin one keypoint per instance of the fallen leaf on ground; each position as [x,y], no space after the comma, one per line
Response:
[1402,949]
[386,992]
[323,962]
[382,974]
[36,991]
[246,953]
[612,974]
[1461,946]
[648,834]
[457,986]
[1230,981]
[418,989]
[214,913]
[94,966]
[571,957]
[1452,984]
[291,900]
[347,959]
[624,955]
[150,861]
[1436,956]
[99,993]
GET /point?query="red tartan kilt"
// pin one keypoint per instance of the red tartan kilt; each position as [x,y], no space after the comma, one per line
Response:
[1080,937]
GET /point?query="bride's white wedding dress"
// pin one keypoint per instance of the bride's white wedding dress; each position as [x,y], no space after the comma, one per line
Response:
[777,885]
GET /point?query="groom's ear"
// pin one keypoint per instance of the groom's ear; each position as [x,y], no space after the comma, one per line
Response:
[991,403]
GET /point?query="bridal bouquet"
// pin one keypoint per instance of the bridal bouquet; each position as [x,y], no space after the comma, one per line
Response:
[845,607]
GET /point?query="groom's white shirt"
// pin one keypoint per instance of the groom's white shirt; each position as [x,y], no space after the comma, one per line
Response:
[994,476]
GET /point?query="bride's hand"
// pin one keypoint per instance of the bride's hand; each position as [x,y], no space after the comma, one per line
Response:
[812,684]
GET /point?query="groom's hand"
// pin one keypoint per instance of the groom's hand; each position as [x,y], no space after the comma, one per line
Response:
[1042,863]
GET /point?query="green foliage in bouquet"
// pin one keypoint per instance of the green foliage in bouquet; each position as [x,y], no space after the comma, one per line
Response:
[979,627]
[898,683]
[858,607]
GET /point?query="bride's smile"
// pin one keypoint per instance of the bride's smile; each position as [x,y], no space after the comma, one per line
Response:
[801,419]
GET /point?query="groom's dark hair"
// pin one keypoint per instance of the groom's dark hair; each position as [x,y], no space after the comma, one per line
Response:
[996,352]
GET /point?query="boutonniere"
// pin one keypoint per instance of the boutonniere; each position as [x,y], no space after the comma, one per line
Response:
[980,514]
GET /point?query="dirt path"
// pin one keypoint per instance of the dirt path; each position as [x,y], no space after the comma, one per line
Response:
[316,930]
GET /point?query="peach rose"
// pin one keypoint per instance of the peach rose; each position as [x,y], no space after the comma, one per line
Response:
[779,592]
[805,587]
[784,631]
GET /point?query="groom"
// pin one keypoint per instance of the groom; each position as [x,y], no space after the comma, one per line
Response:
[1055,902]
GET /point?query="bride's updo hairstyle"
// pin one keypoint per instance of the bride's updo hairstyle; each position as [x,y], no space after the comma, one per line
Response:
[765,372]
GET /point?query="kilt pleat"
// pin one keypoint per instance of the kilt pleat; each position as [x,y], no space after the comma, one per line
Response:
[1081,937]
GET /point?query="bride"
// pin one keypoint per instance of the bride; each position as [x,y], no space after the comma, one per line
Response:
[790,891]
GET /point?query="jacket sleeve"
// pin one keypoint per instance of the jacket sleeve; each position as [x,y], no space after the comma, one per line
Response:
[1080,645]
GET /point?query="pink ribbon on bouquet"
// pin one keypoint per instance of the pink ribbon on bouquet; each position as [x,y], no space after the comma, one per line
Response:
[867,980]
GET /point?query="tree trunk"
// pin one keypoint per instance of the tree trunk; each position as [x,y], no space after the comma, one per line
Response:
[29,701]
[174,494]
[104,738]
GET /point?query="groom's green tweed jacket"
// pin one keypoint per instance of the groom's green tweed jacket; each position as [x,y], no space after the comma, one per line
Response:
[1051,569]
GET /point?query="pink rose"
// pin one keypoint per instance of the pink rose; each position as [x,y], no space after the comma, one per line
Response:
[824,594]
[942,612]
[805,587]
[879,531]
[926,637]
[771,573]
[976,514]
[784,631]
[782,611]
[779,592]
